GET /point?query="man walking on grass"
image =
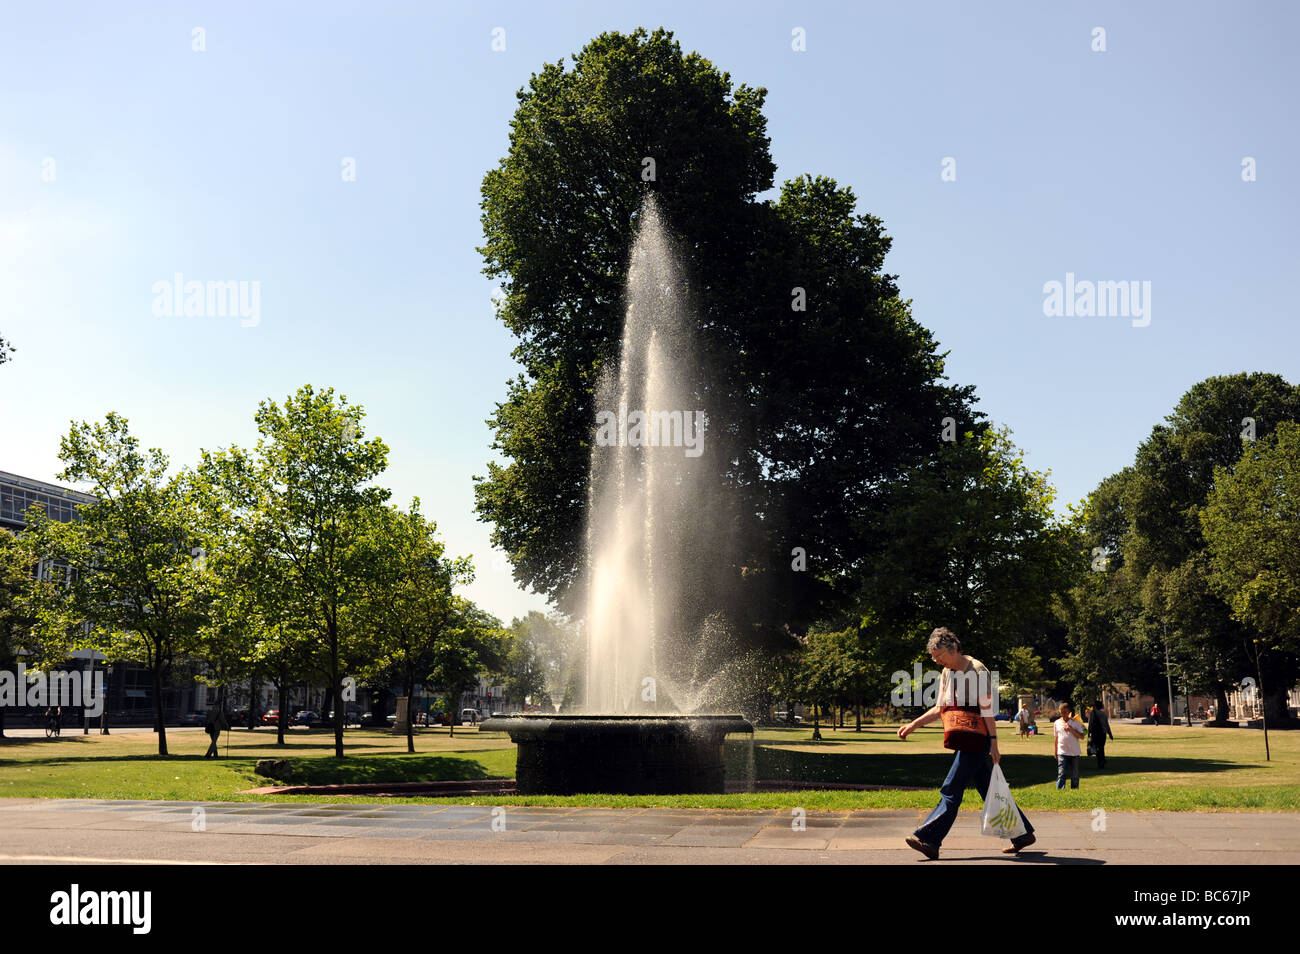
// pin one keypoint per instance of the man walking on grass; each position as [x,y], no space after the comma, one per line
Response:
[970,730]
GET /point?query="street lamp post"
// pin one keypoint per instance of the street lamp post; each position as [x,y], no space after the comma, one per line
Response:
[1263,711]
[103,712]
[87,674]
[1169,682]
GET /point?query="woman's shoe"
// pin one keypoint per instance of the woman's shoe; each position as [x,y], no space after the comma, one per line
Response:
[924,847]
[1024,841]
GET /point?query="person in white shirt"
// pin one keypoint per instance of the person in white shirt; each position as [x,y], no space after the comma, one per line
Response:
[1069,731]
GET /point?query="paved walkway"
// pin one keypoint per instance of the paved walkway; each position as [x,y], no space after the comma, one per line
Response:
[92,830]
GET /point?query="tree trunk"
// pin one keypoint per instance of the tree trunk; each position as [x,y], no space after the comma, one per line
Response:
[336,687]
[1275,708]
[251,722]
[409,687]
[284,714]
[1220,704]
[158,710]
[817,728]
[2,722]
[857,714]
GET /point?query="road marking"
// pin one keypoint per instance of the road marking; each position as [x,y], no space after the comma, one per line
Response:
[73,859]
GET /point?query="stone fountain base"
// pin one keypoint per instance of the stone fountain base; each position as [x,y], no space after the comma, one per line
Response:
[617,754]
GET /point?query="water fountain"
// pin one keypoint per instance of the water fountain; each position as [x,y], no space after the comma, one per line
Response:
[653,533]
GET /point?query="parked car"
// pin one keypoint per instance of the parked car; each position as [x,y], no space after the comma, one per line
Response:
[349,718]
[271,717]
[239,718]
[194,718]
[305,717]
[471,716]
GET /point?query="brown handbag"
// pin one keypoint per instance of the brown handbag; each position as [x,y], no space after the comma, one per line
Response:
[963,728]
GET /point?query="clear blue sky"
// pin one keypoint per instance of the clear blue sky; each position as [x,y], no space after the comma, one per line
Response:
[225,165]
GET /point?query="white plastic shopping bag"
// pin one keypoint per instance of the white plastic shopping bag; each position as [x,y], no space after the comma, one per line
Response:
[1001,817]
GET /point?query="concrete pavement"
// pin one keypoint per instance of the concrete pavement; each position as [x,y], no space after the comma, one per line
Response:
[90,831]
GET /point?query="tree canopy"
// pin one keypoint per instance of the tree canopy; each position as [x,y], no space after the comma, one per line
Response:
[828,389]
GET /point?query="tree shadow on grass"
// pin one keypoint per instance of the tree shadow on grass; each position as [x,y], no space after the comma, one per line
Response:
[930,769]
[16,741]
[311,771]
[379,768]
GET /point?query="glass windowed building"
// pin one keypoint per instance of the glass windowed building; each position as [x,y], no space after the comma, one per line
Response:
[18,494]
[129,688]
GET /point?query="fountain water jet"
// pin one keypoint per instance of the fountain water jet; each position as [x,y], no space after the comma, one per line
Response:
[650,534]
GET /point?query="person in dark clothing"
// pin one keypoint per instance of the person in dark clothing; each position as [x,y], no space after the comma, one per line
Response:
[216,724]
[1098,730]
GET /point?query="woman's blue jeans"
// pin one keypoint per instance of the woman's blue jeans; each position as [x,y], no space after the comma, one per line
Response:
[968,768]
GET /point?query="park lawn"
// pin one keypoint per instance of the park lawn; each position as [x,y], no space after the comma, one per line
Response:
[127,765]
[1151,768]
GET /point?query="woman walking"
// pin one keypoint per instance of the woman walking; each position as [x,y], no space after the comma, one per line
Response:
[970,731]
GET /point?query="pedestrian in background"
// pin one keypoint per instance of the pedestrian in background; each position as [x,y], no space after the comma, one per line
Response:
[1022,719]
[1068,733]
[216,724]
[1098,731]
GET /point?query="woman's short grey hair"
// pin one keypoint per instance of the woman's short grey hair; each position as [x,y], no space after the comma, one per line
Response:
[943,638]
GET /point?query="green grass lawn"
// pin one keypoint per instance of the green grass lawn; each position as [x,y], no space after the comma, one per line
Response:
[1168,768]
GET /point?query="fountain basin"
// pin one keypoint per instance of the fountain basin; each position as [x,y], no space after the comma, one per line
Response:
[619,754]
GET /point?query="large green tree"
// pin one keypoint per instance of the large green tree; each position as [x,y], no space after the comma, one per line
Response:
[122,579]
[1112,637]
[306,495]
[1172,477]
[1251,523]
[824,389]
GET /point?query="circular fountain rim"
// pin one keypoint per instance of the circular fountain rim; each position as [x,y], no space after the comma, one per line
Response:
[650,725]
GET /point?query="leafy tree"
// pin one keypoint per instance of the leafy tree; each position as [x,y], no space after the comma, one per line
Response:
[525,675]
[813,413]
[472,645]
[1175,471]
[970,541]
[15,618]
[408,607]
[1251,524]
[305,494]
[547,661]
[820,678]
[854,666]
[1022,671]
[123,579]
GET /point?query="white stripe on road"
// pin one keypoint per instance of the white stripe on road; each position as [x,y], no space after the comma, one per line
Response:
[73,859]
